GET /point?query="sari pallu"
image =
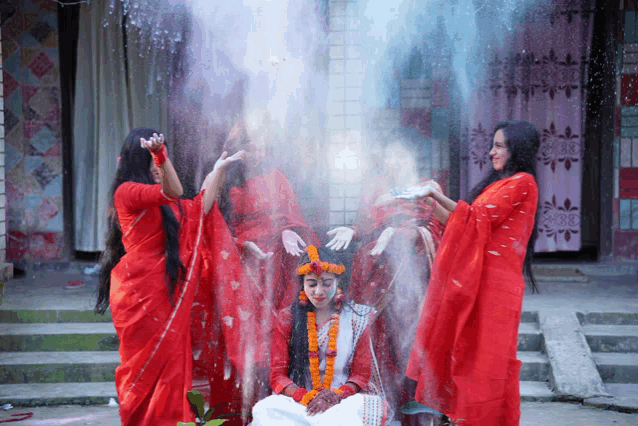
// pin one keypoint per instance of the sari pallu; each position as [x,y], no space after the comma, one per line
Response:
[464,353]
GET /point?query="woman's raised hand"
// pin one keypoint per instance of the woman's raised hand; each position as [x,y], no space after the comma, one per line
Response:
[154,143]
[293,244]
[220,165]
[342,237]
[383,241]
[322,402]
[415,192]
[255,251]
[224,160]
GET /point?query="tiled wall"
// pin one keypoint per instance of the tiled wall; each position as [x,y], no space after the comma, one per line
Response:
[33,161]
[419,100]
[626,146]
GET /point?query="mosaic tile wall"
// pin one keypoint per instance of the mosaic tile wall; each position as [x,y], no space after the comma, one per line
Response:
[419,100]
[33,160]
[3,198]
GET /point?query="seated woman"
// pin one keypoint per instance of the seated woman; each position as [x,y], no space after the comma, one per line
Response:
[390,271]
[322,370]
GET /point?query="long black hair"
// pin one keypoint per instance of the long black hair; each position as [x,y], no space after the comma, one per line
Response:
[298,362]
[522,141]
[135,166]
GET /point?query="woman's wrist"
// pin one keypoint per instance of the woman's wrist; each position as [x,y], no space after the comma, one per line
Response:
[160,156]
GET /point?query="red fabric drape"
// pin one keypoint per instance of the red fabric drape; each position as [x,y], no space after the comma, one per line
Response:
[464,353]
[395,281]
[156,347]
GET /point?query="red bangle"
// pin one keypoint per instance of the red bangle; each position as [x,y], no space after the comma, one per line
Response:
[299,394]
[346,391]
[160,156]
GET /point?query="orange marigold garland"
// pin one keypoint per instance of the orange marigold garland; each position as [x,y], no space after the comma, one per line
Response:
[313,356]
[316,266]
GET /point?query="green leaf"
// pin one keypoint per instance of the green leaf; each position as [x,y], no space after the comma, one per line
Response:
[209,414]
[414,407]
[215,422]
[185,424]
[196,399]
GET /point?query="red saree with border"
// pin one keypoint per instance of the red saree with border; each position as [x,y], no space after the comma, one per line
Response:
[156,350]
[464,353]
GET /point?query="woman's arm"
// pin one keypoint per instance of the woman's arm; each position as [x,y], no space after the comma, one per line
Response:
[171,186]
[215,179]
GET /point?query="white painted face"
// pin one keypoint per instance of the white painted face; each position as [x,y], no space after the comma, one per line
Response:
[320,289]
[499,152]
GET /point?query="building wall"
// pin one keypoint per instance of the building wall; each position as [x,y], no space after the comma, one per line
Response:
[420,99]
[32,149]
[626,147]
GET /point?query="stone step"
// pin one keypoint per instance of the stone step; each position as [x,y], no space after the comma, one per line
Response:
[58,367]
[611,338]
[58,337]
[608,318]
[529,316]
[535,366]
[529,337]
[41,394]
[617,367]
[27,316]
[536,391]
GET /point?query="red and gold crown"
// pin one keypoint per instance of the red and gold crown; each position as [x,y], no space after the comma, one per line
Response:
[316,266]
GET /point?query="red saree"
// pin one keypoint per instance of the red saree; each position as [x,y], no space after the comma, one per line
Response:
[156,354]
[464,353]
[395,281]
[261,210]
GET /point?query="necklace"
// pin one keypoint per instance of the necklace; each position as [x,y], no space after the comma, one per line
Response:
[313,355]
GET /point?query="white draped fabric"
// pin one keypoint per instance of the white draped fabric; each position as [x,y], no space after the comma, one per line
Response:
[108,105]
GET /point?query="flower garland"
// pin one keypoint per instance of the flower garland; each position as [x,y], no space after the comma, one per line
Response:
[313,356]
[316,266]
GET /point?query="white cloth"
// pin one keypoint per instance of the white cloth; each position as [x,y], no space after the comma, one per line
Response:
[281,410]
[109,103]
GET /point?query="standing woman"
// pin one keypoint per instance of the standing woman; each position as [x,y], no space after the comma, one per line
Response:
[391,270]
[149,275]
[464,354]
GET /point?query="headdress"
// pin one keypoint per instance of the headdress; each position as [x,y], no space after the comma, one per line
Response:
[316,266]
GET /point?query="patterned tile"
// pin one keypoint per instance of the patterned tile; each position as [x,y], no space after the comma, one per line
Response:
[43,140]
[17,243]
[31,128]
[30,114]
[7,11]
[54,188]
[46,245]
[41,65]
[41,31]
[12,28]
[46,103]
[12,158]
[9,47]
[44,175]
[28,92]
[9,84]
[418,119]
[10,120]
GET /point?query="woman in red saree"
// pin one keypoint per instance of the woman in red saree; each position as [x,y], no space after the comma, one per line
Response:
[151,269]
[464,353]
[390,271]
[259,206]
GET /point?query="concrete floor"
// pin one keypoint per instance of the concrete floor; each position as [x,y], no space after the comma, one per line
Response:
[533,414]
